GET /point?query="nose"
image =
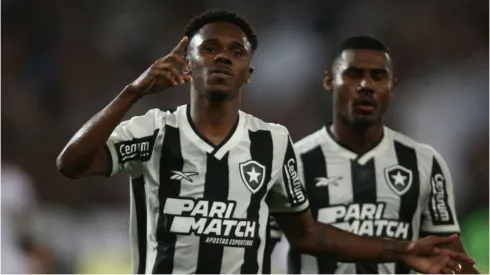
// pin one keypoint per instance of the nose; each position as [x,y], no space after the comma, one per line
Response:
[366,84]
[222,58]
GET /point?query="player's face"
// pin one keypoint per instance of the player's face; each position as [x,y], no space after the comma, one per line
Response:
[219,57]
[362,82]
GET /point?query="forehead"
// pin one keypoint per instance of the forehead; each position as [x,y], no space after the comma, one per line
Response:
[225,32]
[364,58]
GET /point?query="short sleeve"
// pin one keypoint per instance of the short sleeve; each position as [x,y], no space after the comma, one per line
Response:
[132,142]
[288,195]
[439,214]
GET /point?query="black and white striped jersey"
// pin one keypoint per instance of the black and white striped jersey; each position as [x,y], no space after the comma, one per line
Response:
[201,208]
[400,189]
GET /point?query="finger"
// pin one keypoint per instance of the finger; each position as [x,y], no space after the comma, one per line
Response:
[187,77]
[168,75]
[180,47]
[448,271]
[175,73]
[181,62]
[461,257]
[454,266]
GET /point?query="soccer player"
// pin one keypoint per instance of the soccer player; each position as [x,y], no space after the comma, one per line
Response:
[206,176]
[363,177]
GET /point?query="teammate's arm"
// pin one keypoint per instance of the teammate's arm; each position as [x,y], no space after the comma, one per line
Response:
[85,154]
[289,206]
[439,213]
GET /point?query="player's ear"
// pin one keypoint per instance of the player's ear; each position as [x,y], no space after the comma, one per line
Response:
[328,80]
[248,77]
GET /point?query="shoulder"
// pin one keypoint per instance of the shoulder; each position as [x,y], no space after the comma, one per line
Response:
[310,141]
[257,124]
[425,152]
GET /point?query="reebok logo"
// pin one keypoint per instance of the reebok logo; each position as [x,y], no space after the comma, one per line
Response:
[322,181]
[178,175]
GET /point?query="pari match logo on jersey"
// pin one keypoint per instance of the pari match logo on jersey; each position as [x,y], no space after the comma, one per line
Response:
[364,219]
[212,220]
[137,148]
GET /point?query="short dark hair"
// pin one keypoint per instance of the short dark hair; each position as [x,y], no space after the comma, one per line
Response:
[362,42]
[212,16]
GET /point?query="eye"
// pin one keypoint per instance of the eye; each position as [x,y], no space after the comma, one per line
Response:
[237,53]
[379,75]
[353,72]
[209,49]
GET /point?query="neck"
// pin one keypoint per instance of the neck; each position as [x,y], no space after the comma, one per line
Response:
[213,119]
[359,139]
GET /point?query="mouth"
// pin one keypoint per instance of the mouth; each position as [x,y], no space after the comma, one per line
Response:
[365,104]
[221,72]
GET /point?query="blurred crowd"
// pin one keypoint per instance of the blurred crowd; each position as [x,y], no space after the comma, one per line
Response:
[62,61]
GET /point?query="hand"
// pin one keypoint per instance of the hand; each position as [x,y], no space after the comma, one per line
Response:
[427,255]
[164,73]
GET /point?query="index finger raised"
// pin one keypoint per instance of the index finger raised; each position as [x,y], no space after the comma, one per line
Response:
[180,47]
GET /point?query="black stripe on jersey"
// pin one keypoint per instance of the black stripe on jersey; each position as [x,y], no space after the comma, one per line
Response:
[138,189]
[407,157]
[261,150]
[216,188]
[315,166]
[223,142]
[364,191]
[171,160]
[439,209]
[270,243]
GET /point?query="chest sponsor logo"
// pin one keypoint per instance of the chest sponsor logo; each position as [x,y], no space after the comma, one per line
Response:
[211,220]
[364,219]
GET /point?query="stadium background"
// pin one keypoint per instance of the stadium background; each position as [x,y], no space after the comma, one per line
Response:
[62,61]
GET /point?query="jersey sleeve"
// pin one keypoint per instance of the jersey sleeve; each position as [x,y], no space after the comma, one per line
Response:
[439,214]
[132,142]
[288,195]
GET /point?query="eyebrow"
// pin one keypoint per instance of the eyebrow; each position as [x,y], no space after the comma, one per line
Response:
[234,43]
[376,69]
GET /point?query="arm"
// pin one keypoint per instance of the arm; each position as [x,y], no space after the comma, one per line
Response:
[439,214]
[311,237]
[85,153]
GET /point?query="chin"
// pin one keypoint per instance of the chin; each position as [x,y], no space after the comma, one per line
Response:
[218,94]
[363,121]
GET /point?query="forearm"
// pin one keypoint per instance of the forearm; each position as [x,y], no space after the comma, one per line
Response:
[349,247]
[90,140]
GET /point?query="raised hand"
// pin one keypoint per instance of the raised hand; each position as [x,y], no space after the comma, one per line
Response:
[164,73]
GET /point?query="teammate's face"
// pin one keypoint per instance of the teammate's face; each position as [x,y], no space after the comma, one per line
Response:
[362,82]
[219,56]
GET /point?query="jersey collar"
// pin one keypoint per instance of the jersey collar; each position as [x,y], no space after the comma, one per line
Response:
[332,144]
[218,151]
